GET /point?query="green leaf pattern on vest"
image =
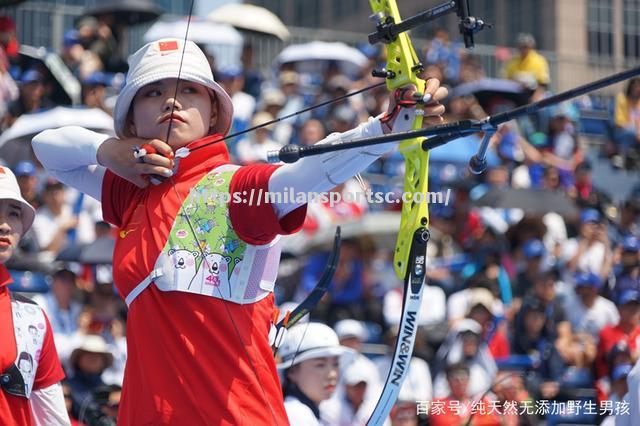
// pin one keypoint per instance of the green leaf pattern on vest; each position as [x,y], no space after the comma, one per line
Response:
[203,259]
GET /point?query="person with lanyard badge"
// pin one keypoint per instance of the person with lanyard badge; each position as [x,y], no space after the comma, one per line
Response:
[30,371]
[310,355]
[196,265]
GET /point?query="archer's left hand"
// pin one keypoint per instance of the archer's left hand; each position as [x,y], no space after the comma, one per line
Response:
[399,116]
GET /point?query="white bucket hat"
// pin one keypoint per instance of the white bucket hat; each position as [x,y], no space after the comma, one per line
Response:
[95,344]
[162,59]
[309,341]
[9,190]
[351,328]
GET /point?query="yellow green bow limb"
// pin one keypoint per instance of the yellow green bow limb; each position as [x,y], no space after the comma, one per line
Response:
[403,65]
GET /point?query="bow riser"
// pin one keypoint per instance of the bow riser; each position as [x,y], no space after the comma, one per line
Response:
[411,247]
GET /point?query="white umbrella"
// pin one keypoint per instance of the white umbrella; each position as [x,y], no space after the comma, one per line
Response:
[200,31]
[252,18]
[350,58]
[15,141]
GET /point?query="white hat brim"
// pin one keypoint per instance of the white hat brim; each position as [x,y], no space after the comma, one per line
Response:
[340,351]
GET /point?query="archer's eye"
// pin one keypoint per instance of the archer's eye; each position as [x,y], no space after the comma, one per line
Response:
[150,92]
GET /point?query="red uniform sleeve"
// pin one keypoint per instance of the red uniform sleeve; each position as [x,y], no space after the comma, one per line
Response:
[256,222]
[117,195]
[49,369]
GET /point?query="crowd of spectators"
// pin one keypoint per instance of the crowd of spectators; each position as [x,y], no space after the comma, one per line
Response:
[518,307]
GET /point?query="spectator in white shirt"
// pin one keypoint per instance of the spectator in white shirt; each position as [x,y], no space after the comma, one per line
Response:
[587,310]
[255,146]
[590,251]
[53,220]
[63,311]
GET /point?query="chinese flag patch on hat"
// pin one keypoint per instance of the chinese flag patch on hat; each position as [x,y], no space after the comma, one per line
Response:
[166,47]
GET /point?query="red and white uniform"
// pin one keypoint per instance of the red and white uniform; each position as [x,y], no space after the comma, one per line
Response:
[17,410]
[195,358]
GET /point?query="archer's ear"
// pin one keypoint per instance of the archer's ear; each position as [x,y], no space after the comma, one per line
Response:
[130,127]
[214,118]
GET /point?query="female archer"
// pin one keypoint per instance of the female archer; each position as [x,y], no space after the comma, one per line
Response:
[197,254]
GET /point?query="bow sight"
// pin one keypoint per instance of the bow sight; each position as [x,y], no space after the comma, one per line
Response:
[387,30]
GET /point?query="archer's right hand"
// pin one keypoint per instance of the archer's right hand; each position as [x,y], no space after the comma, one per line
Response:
[118,155]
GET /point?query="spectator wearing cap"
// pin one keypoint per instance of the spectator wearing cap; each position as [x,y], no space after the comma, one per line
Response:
[356,396]
[33,96]
[628,269]
[310,357]
[480,310]
[627,329]
[461,395]
[254,146]
[290,85]
[529,337]
[619,386]
[590,250]
[244,105]
[272,100]
[544,291]
[533,252]
[72,51]
[89,359]
[561,147]
[619,362]
[528,61]
[458,303]
[25,172]
[588,311]
[352,334]
[94,90]
[632,398]
[464,344]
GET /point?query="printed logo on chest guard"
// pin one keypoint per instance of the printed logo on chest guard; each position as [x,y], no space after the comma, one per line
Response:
[217,269]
